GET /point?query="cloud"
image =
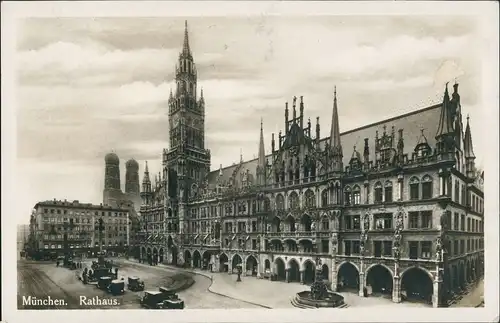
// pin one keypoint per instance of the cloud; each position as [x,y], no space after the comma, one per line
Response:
[91,85]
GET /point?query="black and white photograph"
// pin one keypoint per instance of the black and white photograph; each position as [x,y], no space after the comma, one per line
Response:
[201,156]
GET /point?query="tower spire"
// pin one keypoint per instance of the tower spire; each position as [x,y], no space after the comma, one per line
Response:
[261,165]
[185,48]
[335,131]
[468,150]
[335,144]
[445,120]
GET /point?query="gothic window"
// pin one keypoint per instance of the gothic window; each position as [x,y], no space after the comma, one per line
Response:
[280,202]
[414,188]
[347,195]
[457,192]
[294,201]
[267,204]
[324,198]
[356,195]
[310,199]
[427,187]
[378,192]
[388,191]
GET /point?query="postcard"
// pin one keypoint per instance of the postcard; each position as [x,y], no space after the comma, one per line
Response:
[250,161]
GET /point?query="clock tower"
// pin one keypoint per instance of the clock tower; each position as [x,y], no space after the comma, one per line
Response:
[186,162]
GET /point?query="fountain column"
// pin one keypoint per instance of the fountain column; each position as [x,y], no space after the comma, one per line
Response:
[361,283]
[396,289]
[302,274]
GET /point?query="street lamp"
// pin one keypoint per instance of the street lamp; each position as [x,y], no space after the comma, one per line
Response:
[99,226]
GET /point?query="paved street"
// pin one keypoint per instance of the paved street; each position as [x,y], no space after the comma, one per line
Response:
[43,279]
[278,294]
[210,290]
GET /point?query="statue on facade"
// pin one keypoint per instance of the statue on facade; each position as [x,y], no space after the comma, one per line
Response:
[366,222]
[313,226]
[268,227]
[439,249]
[282,227]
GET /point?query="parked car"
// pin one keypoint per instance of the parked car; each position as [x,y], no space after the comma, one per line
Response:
[171,299]
[135,284]
[152,300]
[104,282]
[116,287]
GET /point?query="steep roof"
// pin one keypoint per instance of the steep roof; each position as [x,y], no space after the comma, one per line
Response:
[412,124]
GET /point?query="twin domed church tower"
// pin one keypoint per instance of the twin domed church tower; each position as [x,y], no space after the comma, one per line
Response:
[112,193]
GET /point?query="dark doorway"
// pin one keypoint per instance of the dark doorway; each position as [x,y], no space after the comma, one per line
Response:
[380,280]
[348,278]
[416,285]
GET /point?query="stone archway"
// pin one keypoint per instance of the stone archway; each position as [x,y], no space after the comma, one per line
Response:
[196,259]
[417,285]
[293,270]
[207,257]
[348,277]
[461,275]
[280,269]
[267,264]
[325,272]
[174,252]
[223,263]
[155,256]
[161,256]
[235,262]
[455,278]
[187,258]
[251,265]
[380,279]
[309,272]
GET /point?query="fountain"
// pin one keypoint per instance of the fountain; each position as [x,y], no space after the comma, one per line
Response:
[319,296]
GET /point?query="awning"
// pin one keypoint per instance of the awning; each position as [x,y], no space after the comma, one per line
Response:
[248,237]
[196,236]
[206,236]
[234,237]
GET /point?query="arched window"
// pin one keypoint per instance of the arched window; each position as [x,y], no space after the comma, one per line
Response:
[280,202]
[325,224]
[293,201]
[267,204]
[356,195]
[388,191]
[347,195]
[457,192]
[310,199]
[378,192]
[414,188]
[324,198]
[427,187]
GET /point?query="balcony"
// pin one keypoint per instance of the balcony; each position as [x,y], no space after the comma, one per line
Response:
[292,234]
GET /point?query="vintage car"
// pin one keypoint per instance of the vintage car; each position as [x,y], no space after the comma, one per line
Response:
[135,284]
[170,299]
[116,287]
[104,282]
[152,300]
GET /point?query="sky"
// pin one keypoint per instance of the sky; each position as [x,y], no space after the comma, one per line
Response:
[88,86]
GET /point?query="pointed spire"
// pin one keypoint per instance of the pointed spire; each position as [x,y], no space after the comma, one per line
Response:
[468,151]
[445,120]
[241,155]
[145,178]
[335,130]
[185,47]
[262,152]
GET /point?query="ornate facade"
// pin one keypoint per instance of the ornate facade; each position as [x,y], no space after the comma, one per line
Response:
[392,207]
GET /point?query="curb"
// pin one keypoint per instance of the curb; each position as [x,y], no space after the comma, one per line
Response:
[217,293]
[211,282]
